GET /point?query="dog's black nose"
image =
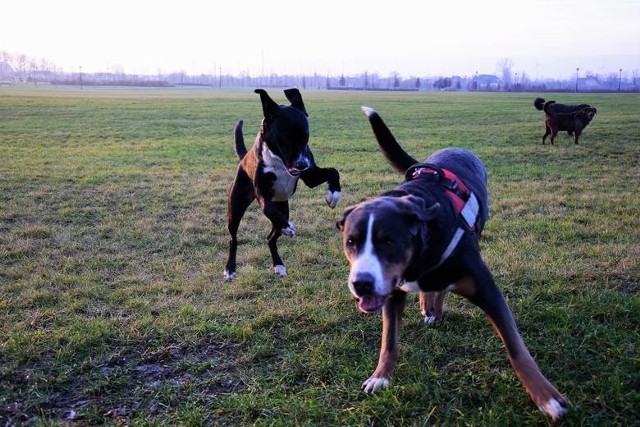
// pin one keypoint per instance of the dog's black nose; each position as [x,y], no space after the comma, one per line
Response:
[363,284]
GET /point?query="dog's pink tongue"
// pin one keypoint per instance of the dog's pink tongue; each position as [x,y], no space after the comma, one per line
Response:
[369,304]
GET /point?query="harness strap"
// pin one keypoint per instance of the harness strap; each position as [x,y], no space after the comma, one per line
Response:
[464,202]
[450,247]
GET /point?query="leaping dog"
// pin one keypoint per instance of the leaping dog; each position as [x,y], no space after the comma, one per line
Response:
[423,236]
[269,172]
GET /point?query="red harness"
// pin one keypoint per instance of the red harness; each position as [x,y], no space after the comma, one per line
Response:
[463,200]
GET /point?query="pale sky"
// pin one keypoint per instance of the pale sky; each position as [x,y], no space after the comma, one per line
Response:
[545,38]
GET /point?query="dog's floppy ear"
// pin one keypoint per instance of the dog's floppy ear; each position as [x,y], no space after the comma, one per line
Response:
[294,96]
[419,214]
[345,214]
[417,207]
[269,106]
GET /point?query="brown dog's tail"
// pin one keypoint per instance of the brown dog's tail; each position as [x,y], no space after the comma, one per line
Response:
[547,105]
[238,138]
[392,151]
[538,103]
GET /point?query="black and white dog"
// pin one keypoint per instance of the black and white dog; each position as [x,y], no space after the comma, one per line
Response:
[269,172]
[423,236]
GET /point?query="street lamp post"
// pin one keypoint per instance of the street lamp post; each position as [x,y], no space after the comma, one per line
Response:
[620,81]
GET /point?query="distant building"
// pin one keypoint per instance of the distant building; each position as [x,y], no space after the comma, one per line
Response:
[488,82]
[6,72]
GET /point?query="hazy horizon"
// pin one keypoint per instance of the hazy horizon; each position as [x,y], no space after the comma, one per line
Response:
[544,39]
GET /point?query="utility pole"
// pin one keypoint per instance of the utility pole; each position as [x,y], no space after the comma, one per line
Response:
[577,74]
[620,81]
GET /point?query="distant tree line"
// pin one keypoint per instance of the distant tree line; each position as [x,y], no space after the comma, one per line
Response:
[18,68]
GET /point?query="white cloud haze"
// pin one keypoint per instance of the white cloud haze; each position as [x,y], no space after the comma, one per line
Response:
[547,38]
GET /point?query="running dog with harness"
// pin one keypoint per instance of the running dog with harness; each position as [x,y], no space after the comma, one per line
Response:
[423,236]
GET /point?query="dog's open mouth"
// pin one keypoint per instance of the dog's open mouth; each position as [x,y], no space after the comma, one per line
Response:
[294,171]
[369,304]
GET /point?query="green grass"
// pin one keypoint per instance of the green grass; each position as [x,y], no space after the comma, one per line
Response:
[113,308]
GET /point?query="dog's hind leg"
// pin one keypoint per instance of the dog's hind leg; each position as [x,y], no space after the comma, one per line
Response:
[576,135]
[431,306]
[276,232]
[547,132]
[240,197]
[272,241]
[483,292]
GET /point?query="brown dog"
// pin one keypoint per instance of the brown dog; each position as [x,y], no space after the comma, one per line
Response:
[573,122]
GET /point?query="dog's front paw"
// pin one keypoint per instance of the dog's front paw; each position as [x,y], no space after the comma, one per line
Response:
[429,320]
[289,230]
[229,276]
[280,270]
[374,384]
[555,409]
[332,198]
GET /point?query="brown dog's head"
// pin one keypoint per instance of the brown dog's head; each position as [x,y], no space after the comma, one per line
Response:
[380,238]
[589,112]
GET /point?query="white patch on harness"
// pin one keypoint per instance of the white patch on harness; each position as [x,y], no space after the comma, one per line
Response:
[470,210]
[469,214]
[285,183]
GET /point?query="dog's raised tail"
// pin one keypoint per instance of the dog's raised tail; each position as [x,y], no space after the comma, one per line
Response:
[547,106]
[392,151]
[238,138]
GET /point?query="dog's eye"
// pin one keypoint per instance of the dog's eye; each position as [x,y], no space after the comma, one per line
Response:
[350,242]
[386,241]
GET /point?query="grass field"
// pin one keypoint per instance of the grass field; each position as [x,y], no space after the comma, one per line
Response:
[113,308]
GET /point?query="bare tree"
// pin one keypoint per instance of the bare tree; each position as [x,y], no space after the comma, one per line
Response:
[504,67]
[21,65]
[395,76]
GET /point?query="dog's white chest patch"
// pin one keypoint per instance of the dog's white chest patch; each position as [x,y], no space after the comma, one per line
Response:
[285,183]
[410,287]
